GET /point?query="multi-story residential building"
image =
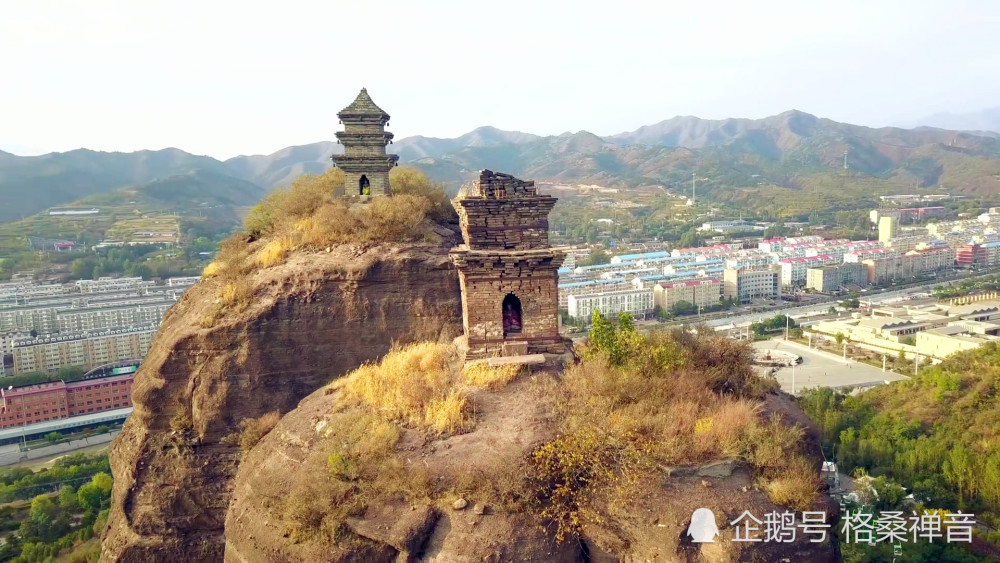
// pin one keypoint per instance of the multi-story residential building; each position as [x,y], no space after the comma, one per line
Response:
[888,228]
[698,292]
[729,226]
[746,285]
[883,268]
[759,260]
[26,318]
[96,318]
[793,270]
[589,287]
[638,302]
[861,254]
[56,399]
[835,276]
[111,284]
[184,281]
[918,262]
[969,255]
[86,349]
[991,251]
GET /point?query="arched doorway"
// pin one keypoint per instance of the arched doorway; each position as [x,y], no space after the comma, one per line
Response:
[364,186]
[511,315]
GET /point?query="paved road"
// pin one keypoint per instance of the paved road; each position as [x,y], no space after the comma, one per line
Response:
[823,369]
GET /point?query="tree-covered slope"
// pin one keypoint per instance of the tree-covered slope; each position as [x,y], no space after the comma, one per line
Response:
[938,434]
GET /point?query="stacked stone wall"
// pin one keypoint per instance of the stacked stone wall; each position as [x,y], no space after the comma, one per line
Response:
[505,227]
[514,224]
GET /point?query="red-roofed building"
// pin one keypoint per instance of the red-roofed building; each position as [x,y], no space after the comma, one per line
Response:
[57,399]
[969,255]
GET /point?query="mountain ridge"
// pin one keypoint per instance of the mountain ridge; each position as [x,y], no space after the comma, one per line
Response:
[985,121]
[734,152]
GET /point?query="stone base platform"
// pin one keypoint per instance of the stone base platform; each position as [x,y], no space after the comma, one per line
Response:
[525,360]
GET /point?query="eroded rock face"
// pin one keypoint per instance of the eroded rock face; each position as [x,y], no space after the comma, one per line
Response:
[313,318]
[293,457]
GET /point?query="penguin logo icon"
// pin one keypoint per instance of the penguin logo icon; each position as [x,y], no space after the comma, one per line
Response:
[702,528]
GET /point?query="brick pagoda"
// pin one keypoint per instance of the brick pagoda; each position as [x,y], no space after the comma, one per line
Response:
[507,270]
[364,162]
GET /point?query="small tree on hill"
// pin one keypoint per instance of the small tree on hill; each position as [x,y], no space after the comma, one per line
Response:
[617,340]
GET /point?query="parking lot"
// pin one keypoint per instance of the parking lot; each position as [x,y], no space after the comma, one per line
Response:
[823,369]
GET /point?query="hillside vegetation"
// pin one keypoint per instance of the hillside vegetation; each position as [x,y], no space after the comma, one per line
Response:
[306,215]
[635,406]
[937,435]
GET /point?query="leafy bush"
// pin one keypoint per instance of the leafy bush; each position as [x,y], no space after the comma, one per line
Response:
[935,434]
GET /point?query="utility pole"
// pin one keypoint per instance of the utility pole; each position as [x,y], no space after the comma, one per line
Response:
[916,363]
[845,352]
[809,335]
[883,363]
[787,319]
[793,377]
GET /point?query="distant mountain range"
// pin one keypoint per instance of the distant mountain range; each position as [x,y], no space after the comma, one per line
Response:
[986,121]
[785,150]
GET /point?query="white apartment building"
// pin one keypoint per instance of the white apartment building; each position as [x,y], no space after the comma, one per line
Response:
[747,285]
[27,318]
[97,318]
[749,261]
[191,280]
[794,270]
[111,284]
[699,292]
[610,303]
[87,349]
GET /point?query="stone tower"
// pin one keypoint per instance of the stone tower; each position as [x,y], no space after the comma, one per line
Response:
[507,270]
[365,163]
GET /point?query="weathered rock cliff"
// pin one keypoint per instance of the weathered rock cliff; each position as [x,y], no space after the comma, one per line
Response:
[313,318]
[289,468]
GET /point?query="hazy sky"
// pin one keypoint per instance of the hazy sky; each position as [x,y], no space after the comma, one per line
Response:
[251,77]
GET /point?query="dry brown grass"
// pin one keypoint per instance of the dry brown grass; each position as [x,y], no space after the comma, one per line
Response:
[414,385]
[480,374]
[674,402]
[307,216]
[274,252]
[253,429]
[678,400]
[796,486]
[422,385]
[363,470]
[211,270]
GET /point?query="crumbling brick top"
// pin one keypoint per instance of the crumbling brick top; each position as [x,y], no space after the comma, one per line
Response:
[497,185]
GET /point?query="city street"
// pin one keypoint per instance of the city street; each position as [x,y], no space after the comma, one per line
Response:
[823,369]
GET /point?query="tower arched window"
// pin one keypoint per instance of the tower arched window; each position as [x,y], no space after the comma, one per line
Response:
[511,315]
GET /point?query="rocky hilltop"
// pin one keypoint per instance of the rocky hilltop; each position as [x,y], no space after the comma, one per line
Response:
[468,497]
[313,318]
[281,415]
